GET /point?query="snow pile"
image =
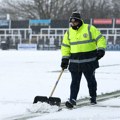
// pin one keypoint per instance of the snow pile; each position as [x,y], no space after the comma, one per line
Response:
[42,108]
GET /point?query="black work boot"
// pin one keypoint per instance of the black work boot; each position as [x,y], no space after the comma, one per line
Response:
[93,100]
[70,104]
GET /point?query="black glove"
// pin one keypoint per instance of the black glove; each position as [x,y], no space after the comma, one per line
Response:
[100,54]
[64,63]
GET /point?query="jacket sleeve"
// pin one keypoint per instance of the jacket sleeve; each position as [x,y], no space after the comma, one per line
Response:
[99,38]
[65,47]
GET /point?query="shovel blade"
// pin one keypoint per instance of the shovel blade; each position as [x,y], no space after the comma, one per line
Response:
[50,100]
[40,99]
[54,101]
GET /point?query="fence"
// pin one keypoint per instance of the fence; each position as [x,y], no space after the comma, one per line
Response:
[112,36]
[50,38]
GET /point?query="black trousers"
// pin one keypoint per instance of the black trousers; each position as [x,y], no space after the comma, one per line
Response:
[75,84]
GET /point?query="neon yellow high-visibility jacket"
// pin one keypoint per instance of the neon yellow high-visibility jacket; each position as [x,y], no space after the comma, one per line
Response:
[81,45]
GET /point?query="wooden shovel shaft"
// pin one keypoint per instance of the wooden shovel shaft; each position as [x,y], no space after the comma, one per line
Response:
[56,82]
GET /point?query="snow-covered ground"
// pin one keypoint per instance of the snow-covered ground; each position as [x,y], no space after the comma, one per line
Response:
[25,74]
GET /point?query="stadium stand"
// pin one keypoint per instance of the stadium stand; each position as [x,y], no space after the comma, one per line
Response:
[48,34]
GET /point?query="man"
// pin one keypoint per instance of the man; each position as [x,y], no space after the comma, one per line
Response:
[82,46]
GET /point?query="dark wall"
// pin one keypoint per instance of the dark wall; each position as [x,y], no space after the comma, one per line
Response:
[59,24]
[86,21]
[103,26]
[20,24]
[36,29]
[117,25]
[55,24]
[64,23]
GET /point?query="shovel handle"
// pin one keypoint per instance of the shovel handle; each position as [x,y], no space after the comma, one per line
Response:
[56,82]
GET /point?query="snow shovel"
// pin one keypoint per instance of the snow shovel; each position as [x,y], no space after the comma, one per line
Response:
[51,100]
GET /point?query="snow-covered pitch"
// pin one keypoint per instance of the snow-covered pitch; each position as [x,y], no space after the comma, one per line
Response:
[25,74]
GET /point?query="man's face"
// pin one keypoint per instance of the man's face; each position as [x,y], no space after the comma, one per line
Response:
[74,22]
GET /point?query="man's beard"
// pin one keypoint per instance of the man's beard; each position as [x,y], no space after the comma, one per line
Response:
[77,26]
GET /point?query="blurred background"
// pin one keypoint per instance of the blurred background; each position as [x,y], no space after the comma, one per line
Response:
[41,24]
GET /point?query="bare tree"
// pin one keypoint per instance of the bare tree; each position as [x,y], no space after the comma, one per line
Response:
[116,8]
[104,9]
[18,10]
[95,8]
[38,9]
[59,9]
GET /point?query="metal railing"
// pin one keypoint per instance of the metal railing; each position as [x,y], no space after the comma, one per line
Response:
[52,36]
